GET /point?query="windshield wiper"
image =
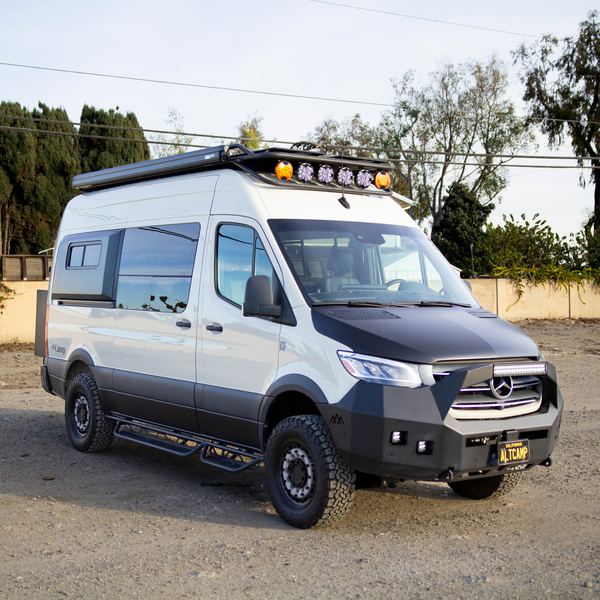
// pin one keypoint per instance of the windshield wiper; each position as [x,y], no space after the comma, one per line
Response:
[429,303]
[442,303]
[351,303]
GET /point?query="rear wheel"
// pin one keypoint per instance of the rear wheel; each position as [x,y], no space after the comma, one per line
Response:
[487,488]
[309,483]
[89,430]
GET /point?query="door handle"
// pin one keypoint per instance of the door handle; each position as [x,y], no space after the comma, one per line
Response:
[217,327]
[184,324]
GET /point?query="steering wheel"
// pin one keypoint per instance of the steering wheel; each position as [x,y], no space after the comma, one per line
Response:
[394,281]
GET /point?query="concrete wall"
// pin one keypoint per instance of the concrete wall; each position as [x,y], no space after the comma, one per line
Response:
[538,302]
[17,323]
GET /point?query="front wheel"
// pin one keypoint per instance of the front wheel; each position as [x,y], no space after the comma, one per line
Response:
[487,488]
[89,430]
[309,483]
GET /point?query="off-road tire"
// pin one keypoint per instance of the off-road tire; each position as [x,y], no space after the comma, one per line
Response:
[309,483]
[89,430]
[487,488]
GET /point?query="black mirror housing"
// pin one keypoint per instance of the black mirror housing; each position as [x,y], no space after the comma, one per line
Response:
[258,298]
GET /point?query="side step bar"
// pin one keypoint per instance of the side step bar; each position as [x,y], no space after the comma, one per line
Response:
[216,454]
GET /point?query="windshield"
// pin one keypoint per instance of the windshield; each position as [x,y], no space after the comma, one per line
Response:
[340,262]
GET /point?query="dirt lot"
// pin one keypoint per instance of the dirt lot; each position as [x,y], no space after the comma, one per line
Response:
[133,522]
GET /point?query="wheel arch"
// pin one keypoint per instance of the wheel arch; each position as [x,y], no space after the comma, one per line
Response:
[80,362]
[289,396]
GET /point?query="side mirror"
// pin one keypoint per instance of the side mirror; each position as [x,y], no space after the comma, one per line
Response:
[468,284]
[258,299]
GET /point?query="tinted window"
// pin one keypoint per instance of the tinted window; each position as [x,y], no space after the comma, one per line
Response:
[156,267]
[85,255]
[240,254]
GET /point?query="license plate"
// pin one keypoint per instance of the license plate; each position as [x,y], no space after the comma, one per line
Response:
[510,453]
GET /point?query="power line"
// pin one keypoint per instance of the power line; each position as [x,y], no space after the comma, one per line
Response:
[404,151]
[349,148]
[196,85]
[385,12]
[281,94]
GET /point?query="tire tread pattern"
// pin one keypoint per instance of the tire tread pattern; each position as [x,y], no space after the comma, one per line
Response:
[102,433]
[338,483]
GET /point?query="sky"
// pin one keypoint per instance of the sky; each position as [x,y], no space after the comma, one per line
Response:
[301,47]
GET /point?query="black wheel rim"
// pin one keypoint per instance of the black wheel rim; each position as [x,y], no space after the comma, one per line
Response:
[81,415]
[297,473]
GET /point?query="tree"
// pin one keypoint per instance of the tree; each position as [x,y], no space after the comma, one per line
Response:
[250,134]
[172,143]
[17,164]
[36,170]
[56,163]
[97,153]
[354,137]
[460,234]
[453,129]
[562,93]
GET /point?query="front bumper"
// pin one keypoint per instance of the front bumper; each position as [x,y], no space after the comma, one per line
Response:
[364,421]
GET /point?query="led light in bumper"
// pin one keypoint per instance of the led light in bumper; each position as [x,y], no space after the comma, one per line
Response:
[380,370]
[424,447]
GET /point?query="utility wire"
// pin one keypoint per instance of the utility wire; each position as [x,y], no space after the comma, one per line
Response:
[345,148]
[385,12]
[281,94]
[196,85]
[404,151]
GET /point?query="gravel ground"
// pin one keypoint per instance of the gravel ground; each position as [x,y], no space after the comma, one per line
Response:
[133,522]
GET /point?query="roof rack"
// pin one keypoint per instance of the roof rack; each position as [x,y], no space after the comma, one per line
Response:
[259,164]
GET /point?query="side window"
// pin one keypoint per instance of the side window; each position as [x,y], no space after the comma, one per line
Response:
[240,254]
[83,255]
[156,267]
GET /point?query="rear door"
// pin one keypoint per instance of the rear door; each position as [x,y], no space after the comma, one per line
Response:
[155,324]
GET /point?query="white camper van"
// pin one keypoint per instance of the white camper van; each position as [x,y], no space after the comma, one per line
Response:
[279,307]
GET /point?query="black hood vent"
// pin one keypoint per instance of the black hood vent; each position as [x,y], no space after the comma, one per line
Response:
[367,314]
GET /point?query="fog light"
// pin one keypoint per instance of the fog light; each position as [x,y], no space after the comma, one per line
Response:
[424,447]
[397,438]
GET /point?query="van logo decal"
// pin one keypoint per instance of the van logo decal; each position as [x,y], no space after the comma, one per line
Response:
[501,387]
[337,420]
[282,346]
[58,349]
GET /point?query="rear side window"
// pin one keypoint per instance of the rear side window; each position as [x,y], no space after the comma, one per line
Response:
[156,267]
[84,256]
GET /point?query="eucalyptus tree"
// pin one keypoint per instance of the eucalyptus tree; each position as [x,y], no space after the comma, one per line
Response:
[562,93]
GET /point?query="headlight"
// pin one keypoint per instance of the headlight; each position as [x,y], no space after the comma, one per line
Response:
[380,370]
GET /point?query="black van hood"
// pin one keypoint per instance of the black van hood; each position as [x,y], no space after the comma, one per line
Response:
[423,334]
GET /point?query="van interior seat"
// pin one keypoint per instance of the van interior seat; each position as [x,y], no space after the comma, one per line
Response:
[339,263]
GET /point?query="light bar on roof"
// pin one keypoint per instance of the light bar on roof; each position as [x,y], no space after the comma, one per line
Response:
[344,176]
[364,178]
[325,174]
[305,172]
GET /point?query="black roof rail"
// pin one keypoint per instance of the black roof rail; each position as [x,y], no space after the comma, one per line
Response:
[259,164]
